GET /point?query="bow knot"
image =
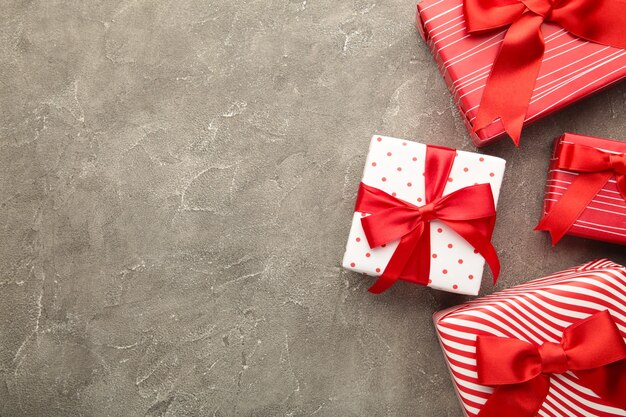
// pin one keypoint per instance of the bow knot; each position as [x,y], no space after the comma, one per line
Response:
[541,7]
[427,212]
[553,358]
[618,163]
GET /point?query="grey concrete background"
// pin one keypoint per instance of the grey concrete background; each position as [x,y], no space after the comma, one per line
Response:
[177,180]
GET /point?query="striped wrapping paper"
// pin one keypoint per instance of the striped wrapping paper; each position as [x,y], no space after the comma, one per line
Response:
[603,219]
[535,312]
[572,68]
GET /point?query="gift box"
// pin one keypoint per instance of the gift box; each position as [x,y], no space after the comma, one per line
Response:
[450,194]
[586,189]
[571,68]
[550,347]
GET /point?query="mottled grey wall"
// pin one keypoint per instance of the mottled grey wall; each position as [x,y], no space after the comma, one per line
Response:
[176,186]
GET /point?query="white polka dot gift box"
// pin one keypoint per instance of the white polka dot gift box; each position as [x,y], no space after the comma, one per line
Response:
[425,214]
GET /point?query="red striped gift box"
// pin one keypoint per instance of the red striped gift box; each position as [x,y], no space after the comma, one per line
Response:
[535,312]
[605,217]
[572,68]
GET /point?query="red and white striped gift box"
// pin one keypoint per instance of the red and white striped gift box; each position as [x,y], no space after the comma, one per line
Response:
[535,312]
[572,68]
[605,217]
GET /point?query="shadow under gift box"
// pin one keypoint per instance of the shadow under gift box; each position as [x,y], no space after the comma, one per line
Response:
[536,312]
[572,68]
[605,217]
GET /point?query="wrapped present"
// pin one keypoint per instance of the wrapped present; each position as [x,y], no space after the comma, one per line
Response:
[551,347]
[425,214]
[586,189]
[510,63]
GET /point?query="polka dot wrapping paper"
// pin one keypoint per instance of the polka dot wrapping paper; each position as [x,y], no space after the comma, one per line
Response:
[396,167]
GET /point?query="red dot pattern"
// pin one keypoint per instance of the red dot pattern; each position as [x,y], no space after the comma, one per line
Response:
[396,171]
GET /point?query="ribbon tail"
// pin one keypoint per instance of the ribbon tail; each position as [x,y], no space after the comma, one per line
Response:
[383,284]
[517,400]
[491,257]
[621,185]
[398,262]
[608,382]
[513,76]
[417,269]
[571,205]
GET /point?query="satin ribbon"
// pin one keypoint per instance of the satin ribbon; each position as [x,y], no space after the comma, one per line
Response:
[513,75]
[593,349]
[595,168]
[470,212]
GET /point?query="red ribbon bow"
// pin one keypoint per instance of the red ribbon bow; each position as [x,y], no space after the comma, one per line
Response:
[512,79]
[469,211]
[595,168]
[593,349]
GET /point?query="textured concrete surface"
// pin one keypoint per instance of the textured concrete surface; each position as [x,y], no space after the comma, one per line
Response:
[177,179]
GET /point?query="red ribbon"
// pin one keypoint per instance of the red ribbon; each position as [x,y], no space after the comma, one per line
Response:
[512,79]
[470,212]
[593,349]
[595,168]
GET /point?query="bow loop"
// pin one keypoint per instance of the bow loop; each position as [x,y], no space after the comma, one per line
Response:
[553,358]
[391,224]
